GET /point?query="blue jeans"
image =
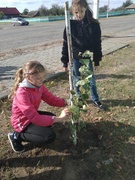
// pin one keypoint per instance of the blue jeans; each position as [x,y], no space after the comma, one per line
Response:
[76,74]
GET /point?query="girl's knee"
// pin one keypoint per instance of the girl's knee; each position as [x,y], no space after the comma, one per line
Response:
[51,137]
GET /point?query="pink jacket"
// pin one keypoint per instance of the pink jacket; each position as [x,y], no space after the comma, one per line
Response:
[26,103]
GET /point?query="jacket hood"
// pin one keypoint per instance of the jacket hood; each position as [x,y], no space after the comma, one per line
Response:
[27,84]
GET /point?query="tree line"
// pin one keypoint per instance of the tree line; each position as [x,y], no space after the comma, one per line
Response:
[121,8]
[57,10]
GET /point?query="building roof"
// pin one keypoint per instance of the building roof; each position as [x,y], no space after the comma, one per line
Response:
[9,11]
[132,6]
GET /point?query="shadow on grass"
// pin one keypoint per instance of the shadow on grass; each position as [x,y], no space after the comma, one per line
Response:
[116,102]
[117,76]
[104,151]
[128,36]
[65,76]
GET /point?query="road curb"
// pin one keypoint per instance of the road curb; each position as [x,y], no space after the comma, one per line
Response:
[5,92]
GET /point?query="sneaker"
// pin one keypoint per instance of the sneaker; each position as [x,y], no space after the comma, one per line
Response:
[98,104]
[15,144]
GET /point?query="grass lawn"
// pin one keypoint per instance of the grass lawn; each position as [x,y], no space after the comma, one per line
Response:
[106,144]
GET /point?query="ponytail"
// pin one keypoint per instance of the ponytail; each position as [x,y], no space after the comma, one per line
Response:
[18,78]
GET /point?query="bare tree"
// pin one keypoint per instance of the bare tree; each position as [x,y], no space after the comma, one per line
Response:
[43,11]
[127,3]
[103,9]
[25,11]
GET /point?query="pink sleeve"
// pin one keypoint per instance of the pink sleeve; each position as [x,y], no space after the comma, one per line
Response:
[30,112]
[51,99]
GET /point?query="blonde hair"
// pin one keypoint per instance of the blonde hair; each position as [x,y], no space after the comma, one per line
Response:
[88,13]
[30,68]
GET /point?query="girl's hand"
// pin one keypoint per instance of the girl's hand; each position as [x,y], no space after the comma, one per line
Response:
[65,69]
[64,113]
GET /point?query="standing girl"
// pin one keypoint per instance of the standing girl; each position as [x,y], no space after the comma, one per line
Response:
[31,125]
[86,35]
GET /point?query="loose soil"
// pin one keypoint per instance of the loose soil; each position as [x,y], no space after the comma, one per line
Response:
[106,142]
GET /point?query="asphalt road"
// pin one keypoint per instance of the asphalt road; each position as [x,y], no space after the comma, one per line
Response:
[17,37]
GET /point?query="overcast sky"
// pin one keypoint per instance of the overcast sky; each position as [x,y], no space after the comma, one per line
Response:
[35,4]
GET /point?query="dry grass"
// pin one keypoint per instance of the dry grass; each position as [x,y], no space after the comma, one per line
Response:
[113,157]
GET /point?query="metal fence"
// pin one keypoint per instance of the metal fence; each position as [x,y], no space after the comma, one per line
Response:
[116,13]
[58,18]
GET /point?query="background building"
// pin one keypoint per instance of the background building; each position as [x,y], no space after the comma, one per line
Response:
[9,12]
